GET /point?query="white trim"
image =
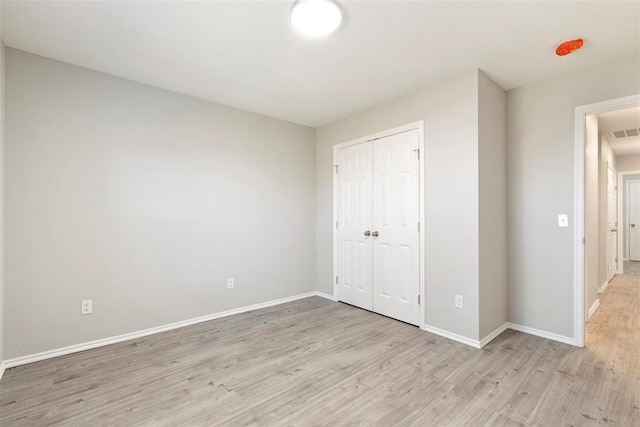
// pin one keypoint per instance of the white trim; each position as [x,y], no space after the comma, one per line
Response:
[464,340]
[450,335]
[423,226]
[334,222]
[486,340]
[493,335]
[593,309]
[419,125]
[542,334]
[578,205]
[326,296]
[602,287]
[23,360]
[382,134]
[50,354]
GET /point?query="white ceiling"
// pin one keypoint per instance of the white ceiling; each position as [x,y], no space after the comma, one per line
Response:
[246,54]
[613,121]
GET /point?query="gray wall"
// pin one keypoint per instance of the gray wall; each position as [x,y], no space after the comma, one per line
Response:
[145,201]
[606,157]
[450,113]
[492,187]
[540,168]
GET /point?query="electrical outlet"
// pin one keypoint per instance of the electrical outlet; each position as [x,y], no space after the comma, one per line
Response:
[459,302]
[86,307]
[230,283]
[563,220]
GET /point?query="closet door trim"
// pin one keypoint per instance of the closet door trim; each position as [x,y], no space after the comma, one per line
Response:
[419,125]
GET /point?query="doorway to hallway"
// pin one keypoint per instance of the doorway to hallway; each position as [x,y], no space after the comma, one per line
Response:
[605,148]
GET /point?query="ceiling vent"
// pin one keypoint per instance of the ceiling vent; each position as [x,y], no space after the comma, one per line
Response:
[625,133]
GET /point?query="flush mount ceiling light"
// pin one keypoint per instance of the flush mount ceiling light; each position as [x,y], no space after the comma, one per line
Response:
[316,18]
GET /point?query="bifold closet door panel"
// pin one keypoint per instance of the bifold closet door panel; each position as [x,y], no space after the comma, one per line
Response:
[354,197]
[396,213]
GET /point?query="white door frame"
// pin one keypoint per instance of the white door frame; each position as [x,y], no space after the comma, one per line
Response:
[578,204]
[622,226]
[419,125]
[627,224]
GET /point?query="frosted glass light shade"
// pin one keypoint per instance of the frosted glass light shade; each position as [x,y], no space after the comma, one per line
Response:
[316,18]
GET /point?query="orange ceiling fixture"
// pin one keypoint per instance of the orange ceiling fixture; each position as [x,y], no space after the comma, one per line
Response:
[570,46]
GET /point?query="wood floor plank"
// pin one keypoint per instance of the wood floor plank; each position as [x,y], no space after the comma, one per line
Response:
[316,362]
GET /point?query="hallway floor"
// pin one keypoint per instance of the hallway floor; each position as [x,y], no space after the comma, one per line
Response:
[613,339]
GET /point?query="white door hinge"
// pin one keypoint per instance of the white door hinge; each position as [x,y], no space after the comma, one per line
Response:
[336,224]
[417,151]
[336,166]
[418,226]
[418,299]
[336,279]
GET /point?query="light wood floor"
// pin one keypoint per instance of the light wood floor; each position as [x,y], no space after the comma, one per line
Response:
[315,362]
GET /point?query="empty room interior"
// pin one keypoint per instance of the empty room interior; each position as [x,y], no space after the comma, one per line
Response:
[319,212]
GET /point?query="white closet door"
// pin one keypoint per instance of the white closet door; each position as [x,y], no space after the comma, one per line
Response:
[354,219]
[396,248]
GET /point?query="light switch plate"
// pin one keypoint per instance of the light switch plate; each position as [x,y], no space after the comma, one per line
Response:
[458,302]
[563,220]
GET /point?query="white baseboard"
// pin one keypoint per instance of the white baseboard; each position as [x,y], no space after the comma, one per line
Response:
[486,340]
[23,360]
[455,337]
[327,296]
[493,335]
[542,334]
[593,309]
[603,287]
[466,340]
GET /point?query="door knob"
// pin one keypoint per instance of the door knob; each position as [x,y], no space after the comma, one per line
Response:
[367,233]
[375,234]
